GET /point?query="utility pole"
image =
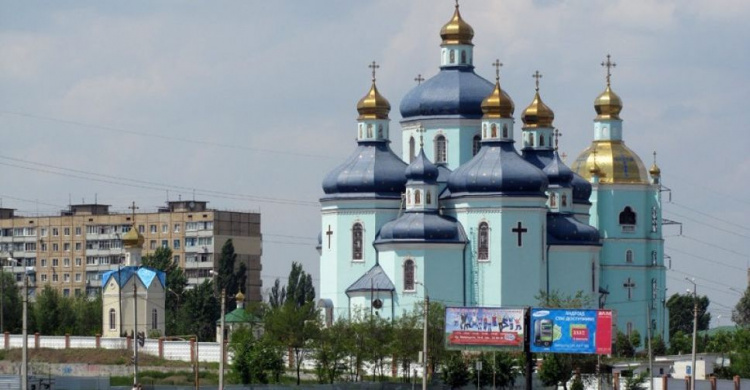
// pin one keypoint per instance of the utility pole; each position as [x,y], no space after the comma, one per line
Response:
[695,332]
[135,332]
[424,339]
[650,350]
[25,351]
[2,295]
[221,338]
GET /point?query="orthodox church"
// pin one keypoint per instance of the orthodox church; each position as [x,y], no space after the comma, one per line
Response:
[467,218]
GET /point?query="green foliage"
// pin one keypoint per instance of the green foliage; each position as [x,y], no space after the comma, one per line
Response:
[435,335]
[231,276]
[455,370]
[636,382]
[740,354]
[556,369]
[577,383]
[681,313]
[557,299]
[658,346]
[11,303]
[741,312]
[277,296]
[635,339]
[407,341]
[623,346]
[162,260]
[331,347]
[255,361]
[199,312]
[680,343]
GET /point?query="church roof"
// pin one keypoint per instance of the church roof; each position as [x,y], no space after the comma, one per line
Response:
[542,157]
[373,169]
[564,229]
[238,316]
[373,280]
[421,226]
[145,274]
[453,92]
[557,172]
[498,168]
[421,169]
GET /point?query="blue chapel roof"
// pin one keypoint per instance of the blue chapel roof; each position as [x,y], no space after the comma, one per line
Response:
[453,92]
[373,280]
[373,169]
[147,276]
[421,226]
[557,172]
[421,169]
[542,158]
[564,229]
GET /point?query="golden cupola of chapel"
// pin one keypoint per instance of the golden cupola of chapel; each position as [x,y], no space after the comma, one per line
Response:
[373,105]
[537,114]
[457,31]
[608,105]
[498,104]
[133,238]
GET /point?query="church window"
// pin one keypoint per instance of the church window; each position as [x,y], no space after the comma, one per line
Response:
[408,196]
[553,200]
[428,197]
[628,256]
[476,145]
[463,56]
[627,216]
[483,242]
[453,56]
[441,153]
[357,241]
[505,130]
[411,149]
[564,200]
[494,131]
[154,319]
[360,131]
[409,275]
[380,131]
[654,258]
[531,140]
[112,319]
[417,197]
[484,130]
[369,130]
[541,140]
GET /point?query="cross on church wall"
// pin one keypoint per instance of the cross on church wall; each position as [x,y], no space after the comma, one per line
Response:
[609,65]
[630,285]
[373,66]
[329,233]
[520,230]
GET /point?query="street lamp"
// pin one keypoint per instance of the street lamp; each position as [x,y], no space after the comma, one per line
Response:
[695,330]
[25,333]
[424,341]
[221,331]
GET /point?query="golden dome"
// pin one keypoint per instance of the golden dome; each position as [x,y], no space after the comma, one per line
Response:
[240,297]
[616,162]
[537,114]
[373,105]
[608,105]
[655,170]
[594,169]
[498,104]
[457,31]
[133,238]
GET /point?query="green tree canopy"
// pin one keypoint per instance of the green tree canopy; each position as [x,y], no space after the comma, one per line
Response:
[681,313]
[162,260]
[231,276]
[741,312]
[11,303]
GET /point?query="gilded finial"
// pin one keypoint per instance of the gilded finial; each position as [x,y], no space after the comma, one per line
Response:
[497,64]
[654,170]
[537,76]
[133,238]
[557,134]
[373,66]
[609,65]
[419,79]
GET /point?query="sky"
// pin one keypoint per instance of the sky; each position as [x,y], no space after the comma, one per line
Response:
[248,104]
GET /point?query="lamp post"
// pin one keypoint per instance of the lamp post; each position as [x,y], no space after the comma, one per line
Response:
[695,331]
[424,340]
[25,333]
[214,274]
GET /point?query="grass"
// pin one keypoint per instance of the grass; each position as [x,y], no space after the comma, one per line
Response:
[90,356]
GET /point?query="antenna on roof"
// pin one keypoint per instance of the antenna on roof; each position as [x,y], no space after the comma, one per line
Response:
[167,196]
[96,198]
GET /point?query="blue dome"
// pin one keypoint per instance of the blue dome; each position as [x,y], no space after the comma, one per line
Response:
[444,174]
[373,168]
[454,91]
[542,158]
[498,168]
[557,172]
[564,229]
[422,169]
[425,226]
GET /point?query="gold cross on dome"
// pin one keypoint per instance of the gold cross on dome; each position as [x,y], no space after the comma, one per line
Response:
[558,134]
[537,76]
[419,79]
[133,207]
[373,66]
[654,157]
[497,64]
[609,65]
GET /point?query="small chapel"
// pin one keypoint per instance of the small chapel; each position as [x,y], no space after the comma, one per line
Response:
[477,212]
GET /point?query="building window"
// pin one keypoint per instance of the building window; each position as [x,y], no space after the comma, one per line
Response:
[55,247]
[428,197]
[476,145]
[176,244]
[55,278]
[505,130]
[409,275]
[628,256]
[593,277]
[627,216]
[483,242]
[44,278]
[441,152]
[78,261]
[78,230]
[66,262]
[152,244]
[112,318]
[55,262]
[154,319]
[44,262]
[164,228]
[78,278]
[493,130]
[417,197]
[177,228]
[152,228]
[141,229]
[357,241]
[66,247]
[412,153]
[55,231]
[165,243]
[541,140]
[453,56]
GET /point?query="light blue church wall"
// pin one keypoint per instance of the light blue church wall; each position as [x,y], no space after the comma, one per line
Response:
[338,267]
[570,270]
[459,134]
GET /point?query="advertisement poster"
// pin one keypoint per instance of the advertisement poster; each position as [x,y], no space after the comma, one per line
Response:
[571,331]
[484,328]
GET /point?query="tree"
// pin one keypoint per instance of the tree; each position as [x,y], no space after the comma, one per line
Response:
[330,350]
[636,382]
[277,296]
[556,369]
[228,278]
[12,304]
[46,311]
[741,312]
[455,370]
[635,339]
[254,360]
[623,346]
[162,260]
[680,343]
[435,335]
[658,346]
[558,299]
[378,342]
[681,313]
[200,311]
[406,341]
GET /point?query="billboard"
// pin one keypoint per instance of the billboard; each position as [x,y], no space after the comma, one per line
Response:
[484,328]
[571,331]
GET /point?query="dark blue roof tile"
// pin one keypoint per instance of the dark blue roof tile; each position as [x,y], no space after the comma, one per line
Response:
[454,91]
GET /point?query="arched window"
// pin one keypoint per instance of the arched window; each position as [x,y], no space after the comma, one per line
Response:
[369,130]
[441,153]
[357,241]
[627,216]
[531,140]
[417,197]
[463,56]
[483,242]
[112,319]
[484,130]
[411,149]
[541,140]
[154,319]
[494,131]
[428,197]
[409,275]
[408,196]
[453,56]
[476,144]
[553,200]
[380,131]
[628,256]
[565,200]
[505,130]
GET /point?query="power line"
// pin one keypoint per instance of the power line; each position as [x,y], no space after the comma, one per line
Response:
[707,224]
[705,258]
[709,189]
[743,255]
[708,215]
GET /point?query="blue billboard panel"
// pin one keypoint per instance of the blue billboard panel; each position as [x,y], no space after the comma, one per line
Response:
[571,331]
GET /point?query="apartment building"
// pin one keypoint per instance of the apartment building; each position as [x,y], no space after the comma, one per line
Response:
[70,251]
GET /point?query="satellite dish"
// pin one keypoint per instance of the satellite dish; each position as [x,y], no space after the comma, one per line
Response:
[377,303]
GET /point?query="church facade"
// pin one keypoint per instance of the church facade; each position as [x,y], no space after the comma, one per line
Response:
[478,212]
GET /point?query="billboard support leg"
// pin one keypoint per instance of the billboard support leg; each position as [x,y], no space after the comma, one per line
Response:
[527,348]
